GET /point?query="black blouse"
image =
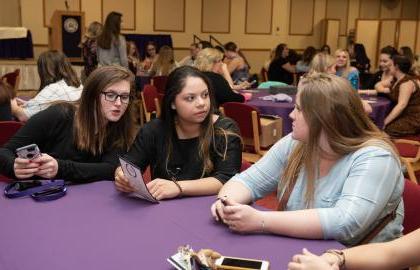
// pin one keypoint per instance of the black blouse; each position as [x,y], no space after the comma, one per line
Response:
[149,148]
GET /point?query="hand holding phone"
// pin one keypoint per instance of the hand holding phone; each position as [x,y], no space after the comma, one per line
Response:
[28,152]
[241,264]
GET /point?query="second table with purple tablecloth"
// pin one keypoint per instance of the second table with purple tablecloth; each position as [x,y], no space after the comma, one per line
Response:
[380,108]
[95,227]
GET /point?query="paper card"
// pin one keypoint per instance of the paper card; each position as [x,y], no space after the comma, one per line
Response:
[134,176]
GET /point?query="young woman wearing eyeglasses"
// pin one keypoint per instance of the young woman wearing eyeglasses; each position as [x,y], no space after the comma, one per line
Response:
[191,151]
[79,141]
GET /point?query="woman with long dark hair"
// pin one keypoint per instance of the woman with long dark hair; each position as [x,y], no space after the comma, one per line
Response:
[80,141]
[191,151]
[112,47]
[280,69]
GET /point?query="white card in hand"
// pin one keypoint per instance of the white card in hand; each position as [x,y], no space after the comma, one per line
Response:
[134,176]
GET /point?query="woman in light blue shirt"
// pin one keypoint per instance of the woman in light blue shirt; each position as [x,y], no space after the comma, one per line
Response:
[345,70]
[343,173]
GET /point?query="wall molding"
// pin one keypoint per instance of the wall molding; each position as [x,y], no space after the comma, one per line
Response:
[290,20]
[229,19]
[259,33]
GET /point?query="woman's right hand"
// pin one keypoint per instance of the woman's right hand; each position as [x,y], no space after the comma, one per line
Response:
[121,182]
[25,168]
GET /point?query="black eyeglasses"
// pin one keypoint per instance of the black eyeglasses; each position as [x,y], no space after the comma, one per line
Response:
[112,97]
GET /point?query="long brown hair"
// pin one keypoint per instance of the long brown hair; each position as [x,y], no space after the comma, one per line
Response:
[206,140]
[92,132]
[111,30]
[53,66]
[165,61]
[341,118]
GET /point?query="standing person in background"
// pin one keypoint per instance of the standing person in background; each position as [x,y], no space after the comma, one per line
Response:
[345,70]
[280,69]
[165,62]
[190,59]
[236,63]
[59,82]
[89,48]
[112,48]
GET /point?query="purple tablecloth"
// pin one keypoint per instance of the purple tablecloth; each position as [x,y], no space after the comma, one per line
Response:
[380,109]
[95,227]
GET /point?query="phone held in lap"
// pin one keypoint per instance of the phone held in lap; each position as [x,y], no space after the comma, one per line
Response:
[241,264]
[28,152]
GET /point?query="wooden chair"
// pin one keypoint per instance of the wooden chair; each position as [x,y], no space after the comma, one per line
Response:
[248,120]
[409,150]
[160,83]
[150,100]
[12,78]
[7,130]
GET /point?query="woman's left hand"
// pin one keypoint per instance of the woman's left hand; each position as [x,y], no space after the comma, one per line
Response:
[49,166]
[242,218]
[309,261]
[163,189]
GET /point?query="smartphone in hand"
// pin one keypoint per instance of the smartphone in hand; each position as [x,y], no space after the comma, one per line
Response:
[28,152]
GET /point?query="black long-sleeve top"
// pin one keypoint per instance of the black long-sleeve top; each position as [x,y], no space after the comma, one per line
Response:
[222,90]
[52,131]
[277,73]
[149,148]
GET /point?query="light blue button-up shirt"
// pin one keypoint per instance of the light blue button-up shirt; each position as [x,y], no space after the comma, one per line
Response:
[360,189]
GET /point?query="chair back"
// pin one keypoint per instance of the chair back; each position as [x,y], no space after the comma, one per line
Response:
[7,130]
[242,114]
[245,165]
[160,83]
[411,197]
[409,150]
[150,101]
[12,78]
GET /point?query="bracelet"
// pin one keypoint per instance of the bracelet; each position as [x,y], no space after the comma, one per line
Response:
[340,256]
[262,224]
[179,187]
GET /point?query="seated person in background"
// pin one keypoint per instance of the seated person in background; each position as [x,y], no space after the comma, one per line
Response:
[280,70]
[345,70]
[325,49]
[398,254]
[337,175]
[6,95]
[407,52]
[133,57]
[190,59]
[165,62]
[236,63]
[404,118]
[190,150]
[381,80]
[325,63]
[89,47]
[302,66]
[322,63]
[210,62]
[80,141]
[150,56]
[59,82]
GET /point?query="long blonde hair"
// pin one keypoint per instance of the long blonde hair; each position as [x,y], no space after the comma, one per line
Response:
[206,58]
[347,68]
[341,119]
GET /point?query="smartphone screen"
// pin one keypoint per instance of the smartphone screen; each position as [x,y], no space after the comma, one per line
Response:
[241,263]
